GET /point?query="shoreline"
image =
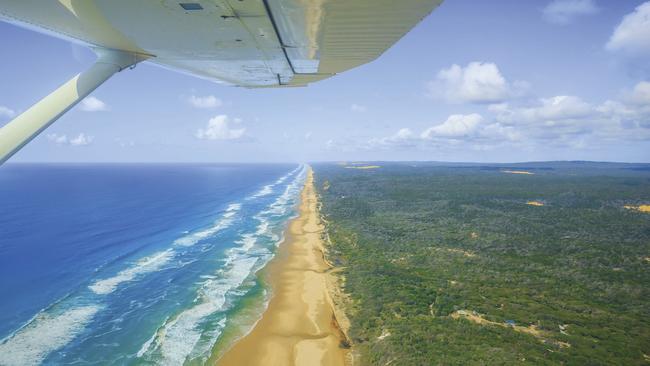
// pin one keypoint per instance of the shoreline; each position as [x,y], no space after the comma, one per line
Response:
[299,325]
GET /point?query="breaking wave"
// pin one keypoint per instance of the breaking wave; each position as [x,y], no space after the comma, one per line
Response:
[145,265]
[158,260]
[45,333]
[179,338]
[185,334]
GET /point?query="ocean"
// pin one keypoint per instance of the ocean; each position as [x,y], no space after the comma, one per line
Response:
[133,264]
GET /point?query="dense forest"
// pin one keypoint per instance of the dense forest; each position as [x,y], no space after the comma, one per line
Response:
[443,264]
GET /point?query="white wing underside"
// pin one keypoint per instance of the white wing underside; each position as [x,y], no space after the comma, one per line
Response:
[251,43]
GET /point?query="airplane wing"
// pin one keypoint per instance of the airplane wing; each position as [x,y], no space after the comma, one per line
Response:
[242,42]
[250,43]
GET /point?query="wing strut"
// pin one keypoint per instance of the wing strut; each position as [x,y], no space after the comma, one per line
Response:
[22,129]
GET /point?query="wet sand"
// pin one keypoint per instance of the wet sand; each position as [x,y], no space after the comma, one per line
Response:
[299,327]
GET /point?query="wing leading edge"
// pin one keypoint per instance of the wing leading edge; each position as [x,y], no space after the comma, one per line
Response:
[251,43]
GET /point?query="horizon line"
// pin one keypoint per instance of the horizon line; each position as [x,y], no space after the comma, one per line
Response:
[315,162]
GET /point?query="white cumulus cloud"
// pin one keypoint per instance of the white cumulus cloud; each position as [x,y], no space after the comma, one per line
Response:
[565,121]
[6,112]
[457,125]
[478,82]
[403,138]
[57,139]
[632,113]
[206,102]
[632,36]
[219,128]
[546,111]
[471,130]
[565,118]
[549,118]
[92,104]
[80,140]
[564,11]
[640,95]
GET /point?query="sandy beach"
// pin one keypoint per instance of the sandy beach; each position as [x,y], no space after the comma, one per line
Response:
[299,327]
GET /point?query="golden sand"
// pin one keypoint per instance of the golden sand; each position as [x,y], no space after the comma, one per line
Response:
[299,327]
[535,203]
[641,208]
[532,329]
[518,172]
[357,165]
[478,319]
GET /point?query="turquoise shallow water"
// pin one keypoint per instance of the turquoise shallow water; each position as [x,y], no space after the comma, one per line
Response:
[132,264]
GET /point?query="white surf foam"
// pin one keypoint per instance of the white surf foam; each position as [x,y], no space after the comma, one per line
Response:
[181,337]
[223,223]
[43,334]
[247,242]
[145,265]
[145,346]
[178,337]
[268,189]
[264,227]
[285,201]
[49,330]
[286,176]
[265,191]
[233,207]
[156,261]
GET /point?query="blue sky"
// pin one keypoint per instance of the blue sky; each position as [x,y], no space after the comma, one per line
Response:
[496,81]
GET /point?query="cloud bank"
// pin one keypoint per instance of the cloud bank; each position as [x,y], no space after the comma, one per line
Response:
[205,102]
[565,11]
[80,140]
[92,104]
[6,112]
[219,128]
[565,121]
[632,35]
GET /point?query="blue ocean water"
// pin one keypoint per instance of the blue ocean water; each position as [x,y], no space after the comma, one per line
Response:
[132,264]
